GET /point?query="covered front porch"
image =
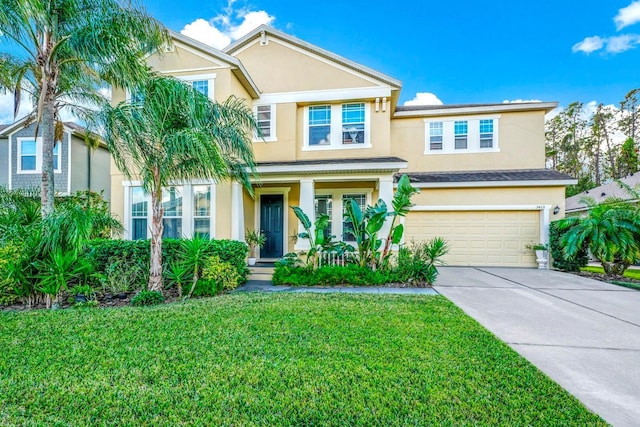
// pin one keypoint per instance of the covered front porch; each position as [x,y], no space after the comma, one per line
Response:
[317,187]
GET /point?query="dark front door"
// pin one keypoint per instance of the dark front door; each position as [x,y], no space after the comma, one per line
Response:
[271,224]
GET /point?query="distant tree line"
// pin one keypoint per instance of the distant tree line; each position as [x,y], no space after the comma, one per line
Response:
[598,147]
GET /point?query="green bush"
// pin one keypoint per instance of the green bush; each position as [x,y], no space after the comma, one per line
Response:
[145,298]
[555,247]
[350,274]
[418,263]
[134,255]
[217,276]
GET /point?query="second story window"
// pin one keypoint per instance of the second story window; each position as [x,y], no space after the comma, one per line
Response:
[201,86]
[460,130]
[461,135]
[266,120]
[337,126]
[486,133]
[320,125]
[435,135]
[353,123]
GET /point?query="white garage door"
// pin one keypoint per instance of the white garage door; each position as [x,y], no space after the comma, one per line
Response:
[479,238]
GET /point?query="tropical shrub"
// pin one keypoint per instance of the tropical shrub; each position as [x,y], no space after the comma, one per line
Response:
[418,263]
[217,276]
[610,230]
[319,239]
[560,260]
[146,298]
[135,254]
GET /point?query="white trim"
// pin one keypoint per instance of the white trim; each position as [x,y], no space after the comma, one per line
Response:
[476,184]
[473,135]
[259,192]
[237,212]
[329,95]
[479,109]
[191,70]
[210,78]
[337,218]
[335,126]
[187,216]
[69,161]
[272,127]
[39,155]
[10,181]
[480,207]
[328,167]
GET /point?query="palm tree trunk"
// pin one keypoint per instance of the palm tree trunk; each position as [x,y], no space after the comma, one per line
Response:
[48,141]
[155,273]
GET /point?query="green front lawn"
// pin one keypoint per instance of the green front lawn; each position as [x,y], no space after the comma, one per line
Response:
[267,359]
[629,273]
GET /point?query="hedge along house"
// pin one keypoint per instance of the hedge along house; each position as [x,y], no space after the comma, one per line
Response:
[77,167]
[333,131]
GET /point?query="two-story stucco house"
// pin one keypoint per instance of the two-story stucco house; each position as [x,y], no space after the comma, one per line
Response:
[333,131]
[77,167]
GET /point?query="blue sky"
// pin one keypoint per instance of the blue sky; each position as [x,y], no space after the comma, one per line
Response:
[453,52]
[463,52]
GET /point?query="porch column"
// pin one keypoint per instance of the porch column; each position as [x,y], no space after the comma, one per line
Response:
[237,212]
[385,192]
[307,196]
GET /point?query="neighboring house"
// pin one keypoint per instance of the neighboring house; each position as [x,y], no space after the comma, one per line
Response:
[577,204]
[76,166]
[333,131]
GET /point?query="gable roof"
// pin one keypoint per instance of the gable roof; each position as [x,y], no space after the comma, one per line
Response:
[237,68]
[265,29]
[74,128]
[603,192]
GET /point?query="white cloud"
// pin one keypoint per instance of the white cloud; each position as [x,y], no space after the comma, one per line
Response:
[628,15]
[618,44]
[226,27]
[613,44]
[205,32]
[424,98]
[520,101]
[6,108]
[589,44]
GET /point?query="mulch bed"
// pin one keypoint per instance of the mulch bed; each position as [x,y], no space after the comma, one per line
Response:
[609,278]
[104,301]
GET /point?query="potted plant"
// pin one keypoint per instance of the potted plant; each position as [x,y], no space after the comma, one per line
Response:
[541,254]
[254,239]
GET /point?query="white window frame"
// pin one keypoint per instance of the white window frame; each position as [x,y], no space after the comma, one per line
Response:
[336,129]
[337,205]
[211,78]
[39,148]
[187,207]
[473,135]
[272,123]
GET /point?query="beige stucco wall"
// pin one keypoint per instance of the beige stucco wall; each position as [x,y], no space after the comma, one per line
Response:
[277,68]
[520,139]
[553,196]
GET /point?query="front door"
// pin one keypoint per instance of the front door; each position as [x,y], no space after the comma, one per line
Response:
[271,224]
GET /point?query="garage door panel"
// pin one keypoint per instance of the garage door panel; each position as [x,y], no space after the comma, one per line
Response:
[491,238]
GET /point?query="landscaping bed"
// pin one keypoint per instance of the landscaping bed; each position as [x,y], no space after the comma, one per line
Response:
[256,359]
[631,278]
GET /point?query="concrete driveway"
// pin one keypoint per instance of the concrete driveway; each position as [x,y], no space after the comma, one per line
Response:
[582,333]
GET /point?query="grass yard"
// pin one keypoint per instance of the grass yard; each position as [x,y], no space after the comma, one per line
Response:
[629,273]
[266,359]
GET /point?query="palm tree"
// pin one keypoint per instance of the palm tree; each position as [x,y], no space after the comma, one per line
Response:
[175,133]
[65,50]
[610,230]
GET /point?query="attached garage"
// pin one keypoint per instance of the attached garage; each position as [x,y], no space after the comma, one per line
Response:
[479,237]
